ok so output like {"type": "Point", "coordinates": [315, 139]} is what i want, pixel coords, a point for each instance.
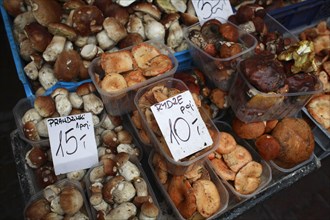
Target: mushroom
{"type": "Point", "coordinates": [30, 131]}
{"type": "Point", "coordinates": [38, 36]}
{"type": "Point", "coordinates": [64, 30]}
{"type": "Point", "coordinates": [46, 76]}
{"type": "Point", "coordinates": [42, 128]}
{"type": "Point", "coordinates": [67, 65]}
{"type": "Point", "coordinates": [189, 17]}
{"type": "Point", "coordinates": [89, 51]}
{"type": "Point", "coordinates": [140, 186]}
{"type": "Point", "coordinates": [31, 115]}
{"type": "Point", "coordinates": [122, 211]}
{"type": "Point", "coordinates": [98, 203]}
{"type": "Point", "coordinates": [97, 174]}
{"type": "Point", "coordinates": [14, 7]}
{"type": "Point", "coordinates": [51, 191]}
{"type": "Point", "coordinates": [148, 211]}
{"type": "Point", "coordinates": [115, 30]}
{"type": "Point", "coordinates": [71, 200]}
{"type": "Point", "coordinates": [126, 168]}
{"type": "Point", "coordinates": [35, 157]}
{"type": "Point", "coordinates": [175, 35]}
{"type": "Point", "coordinates": [124, 3]}
{"type": "Point", "coordinates": [179, 5]}
{"type": "Point", "coordinates": [76, 101]}
{"type": "Point", "coordinates": [45, 106]}
{"type": "Point", "coordinates": [124, 137]}
{"type": "Point", "coordinates": [92, 103]}
{"type": "Point", "coordinates": [109, 139]}
{"type": "Point", "coordinates": [135, 26]}
{"type": "Point", "coordinates": [109, 186]}
{"type": "Point", "coordinates": [54, 48]}
{"type": "Point", "coordinates": [37, 209]}
{"type": "Point", "coordinates": [87, 20]}
{"type": "Point", "coordinates": [55, 206]}
{"type": "Point", "coordinates": [46, 12]}
{"type": "Point", "coordinates": [20, 21]}
{"type": "Point", "coordinates": [62, 102]}
{"type": "Point", "coordinates": [76, 175]}
{"type": "Point", "coordinates": [123, 192]}
{"type": "Point", "coordinates": [128, 148]}
{"type": "Point", "coordinates": [104, 41]}
{"type": "Point", "coordinates": [26, 49]}
{"type": "Point", "coordinates": [53, 216]}
{"type": "Point", "coordinates": [31, 70]}
{"type": "Point", "coordinates": [148, 8]}
{"type": "Point", "coordinates": [154, 30]}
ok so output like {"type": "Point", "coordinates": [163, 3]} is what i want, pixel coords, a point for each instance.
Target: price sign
{"type": "Point", "coordinates": [72, 142]}
{"type": "Point", "coordinates": [206, 9]}
{"type": "Point", "coordinates": [181, 125]}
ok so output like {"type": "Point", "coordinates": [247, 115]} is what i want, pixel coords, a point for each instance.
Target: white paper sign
{"type": "Point", "coordinates": [206, 9]}
{"type": "Point", "coordinates": [181, 125]}
{"type": "Point", "coordinates": [72, 142]}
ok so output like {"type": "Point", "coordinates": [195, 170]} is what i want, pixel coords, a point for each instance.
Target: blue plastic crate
{"type": "Point", "coordinates": [302, 14]}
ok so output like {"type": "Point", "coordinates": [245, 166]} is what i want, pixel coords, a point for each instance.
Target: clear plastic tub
{"type": "Point", "coordinates": [135, 161]}
{"type": "Point", "coordinates": [212, 66]}
{"type": "Point", "coordinates": [266, 175]}
{"type": "Point", "coordinates": [321, 135]}
{"type": "Point", "coordinates": [121, 102]}
{"type": "Point", "coordinates": [291, 169]}
{"type": "Point", "coordinates": [224, 196]}
{"type": "Point", "coordinates": [250, 105]}
{"type": "Point", "coordinates": [181, 166]}
{"type": "Point", "coordinates": [62, 184]}
{"type": "Point", "coordinates": [22, 106]}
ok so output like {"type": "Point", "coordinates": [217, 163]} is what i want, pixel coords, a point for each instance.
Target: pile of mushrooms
{"type": "Point", "coordinates": [117, 190]}
{"type": "Point", "coordinates": [58, 39]}
{"type": "Point", "coordinates": [60, 103]}
{"type": "Point", "coordinates": [63, 200]}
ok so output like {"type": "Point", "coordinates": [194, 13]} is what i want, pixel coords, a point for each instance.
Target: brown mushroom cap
{"type": "Point", "coordinates": [147, 8]}
{"type": "Point", "coordinates": [62, 29]}
{"type": "Point", "coordinates": [168, 19]}
{"type": "Point", "coordinates": [130, 40]}
{"type": "Point", "coordinates": [87, 20]}
{"type": "Point", "coordinates": [67, 65]}
{"type": "Point", "coordinates": [38, 36]}
{"type": "Point", "coordinates": [46, 12]}
{"type": "Point", "coordinates": [37, 209]}
{"type": "Point", "coordinates": [36, 157]}
{"type": "Point", "coordinates": [109, 186]}
{"type": "Point", "coordinates": [111, 9]}
{"type": "Point", "coordinates": [73, 4]}
{"type": "Point", "coordinates": [45, 106]}
{"type": "Point", "coordinates": [85, 88]}
{"type": "Point", "coordinates": [188, 19]}
{"type": "Point", "coordinates": [71, 200]}
{"type": "Point", "coordinates": [14, 7]}
{"type": "Point", "coordinates": [149, 209]}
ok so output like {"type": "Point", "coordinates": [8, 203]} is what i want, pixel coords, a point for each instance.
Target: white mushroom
{"type": "Point", "coordinates": [92, 103]}
{"type": "Point", "coordinates": [97, 174]}
{"type": "Point", "coordinates": [46, 76]}
{"type": "Point", "coordinates": [124, 192]}
{"type": "Point", "coordinates": [42, 128]}
{"type": "Point", "coordinates": [124, 3]}
{"type": "Point", "coordinates": [179, 5]}
{"type": "Point", "coordinates": [104, 41]}
{"type": "Point", "coordinates": [128, 148]}
{"type": "Point", "coordinates": [81, 41]}
{"type": "Point", "coordinates": [68, 45]}
{"type": "Point", "coordinates": [31, 70]}
{"type": "Point", "coordinates": [175, 35]}
{"type": "Point", "coordinates": [89, 51]}
{"type": "Point", "coordinates": [76, 175]}
{"type": "Point", "coordinates": [62, 102]}
{"type": "Point", "coordinates": [115, 30]}
{"type": "Point", "coordinates": [154, 30]}
{"type": "Point", "coordinates": [122, 211]}
{"type": "Point", "coordinates": [77, 216]}
{"type": "Point", "coordinates": [55, 206]}
{"type": "Point", "coordinates": [31, 115]}
{"type": "Point", "coordinates": [149, 211]}
{"type": "Point", "coordinates": [140, 186]}
{"type": "Point", "coordinates": [76, 101]}
{"type": "Point", "coordinates": [129, 170]}
{"type": "Point", "coordinates": [107, 123]}
{"type": "Point", "coordinates": [26, 49]}
{"type": "Point", "coordinates": [135, 25]}
{"type": "Point", "coordinates": [96, 120]}
{"type": "Point", "coordinates": [98, 203]}
{"type": "Point", "coordinates": [54, 48]}
{"type": "Point", "coordinates": [51, 191]}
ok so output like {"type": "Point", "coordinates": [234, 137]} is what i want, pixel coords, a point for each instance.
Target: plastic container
{"type": "Point", "coordinates": [291, 169]}
{"type": "Point", "coordinates": [181, 166]}
{"type": "Point", "coordinates": [302, 13]}
{"type": "Point", "coordinates": [224, 196]}
{"type": "Point", "coordinates": [62, 184]}
{"type": "Point", "coordinates": [250, 105]}
{"type": "Point", "coordinates": [211, 65]}
{"type": "Point", "coordinates": [135, 161]}
{"type": "Point", "coordinates": [22, 106]}
{"type": "Point", "coordinates": [321, 135]}
{"type": "Point", "coordinates": [266, 175]}
{"type": "Point", "coordinates": [121, 102]}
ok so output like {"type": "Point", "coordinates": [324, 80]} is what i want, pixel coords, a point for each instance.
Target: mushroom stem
{"type": "Point", "coordinates": [55, 47]}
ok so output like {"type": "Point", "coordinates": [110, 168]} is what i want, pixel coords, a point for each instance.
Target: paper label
{"type": "Point", "coordinates": [206, 9]}
{"type": "Point", "coordinates": [72, 142]}
{"type": "Point", "coordinates": [181, 125]}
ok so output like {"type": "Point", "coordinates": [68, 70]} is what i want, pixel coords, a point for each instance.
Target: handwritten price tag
{"type": "Point", "coordinates": [72, 142]}
{"type": "Point", "coordinates": [206, 9]}
{"type": "Point", "coordinates": [181, 125]}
